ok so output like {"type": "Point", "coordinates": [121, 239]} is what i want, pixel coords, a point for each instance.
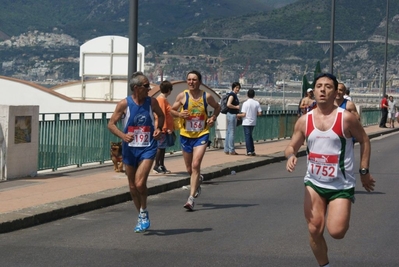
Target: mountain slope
{"type": "Point", "coordinates": [163, 23]}
{"type": "Point", "coordinates": [85, 19]}
{"type": "Point", "coordinates": [304, 20]}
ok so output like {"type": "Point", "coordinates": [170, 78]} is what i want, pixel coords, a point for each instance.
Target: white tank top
{"type": "Point", "coordinates": [330, 156]}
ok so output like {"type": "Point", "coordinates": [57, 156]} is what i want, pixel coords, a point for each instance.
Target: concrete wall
{"type": "Point", "coordinates": [19, 92]}
{"type": "Point", "coordinates": [97, 90]}
{"type": "Point", "coordinates": [67, 98]}
{"type": "Point", "coordinates": [2, 145]}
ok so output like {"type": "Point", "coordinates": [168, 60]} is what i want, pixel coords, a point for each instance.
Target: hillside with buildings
{"type": "Point", "coordinates": [257, 48]}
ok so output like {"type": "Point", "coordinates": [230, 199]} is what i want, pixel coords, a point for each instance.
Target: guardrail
{"type": "Point", "coordinates": [370, 116]}
{"type": "Point", "coordinates": [67, 139]}
{"type": "Point", "coordinates": [75, 139]}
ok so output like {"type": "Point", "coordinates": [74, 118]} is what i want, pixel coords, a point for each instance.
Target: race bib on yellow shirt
{"type": "Point", "coordinates": [195, 123]}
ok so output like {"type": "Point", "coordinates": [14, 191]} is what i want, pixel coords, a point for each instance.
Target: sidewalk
{"type": "Point", "coordinates": [50, 196]}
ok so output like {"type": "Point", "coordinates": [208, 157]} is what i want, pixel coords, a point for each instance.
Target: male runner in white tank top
{"type": "Point", "coordinates": [330, 177]}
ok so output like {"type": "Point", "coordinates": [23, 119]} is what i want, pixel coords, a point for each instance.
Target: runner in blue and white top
{"type": "Point", "coordinates": [139, 144]}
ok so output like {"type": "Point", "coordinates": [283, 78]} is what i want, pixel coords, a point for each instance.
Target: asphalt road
{"type": "Point", "coordinates": [253, 218]}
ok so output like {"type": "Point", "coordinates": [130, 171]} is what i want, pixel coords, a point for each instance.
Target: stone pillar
{"type": "Point", "coordinates": [19, 141]}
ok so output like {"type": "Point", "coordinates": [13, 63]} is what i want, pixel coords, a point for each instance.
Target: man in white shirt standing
{"type": "Point", "coordinates": [249, 112]}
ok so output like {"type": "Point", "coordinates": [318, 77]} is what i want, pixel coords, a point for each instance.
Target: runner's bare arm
{"type": "Point", "coordinates": [297, 140]}
{"type": "Point", "coordinates": [176, 107]}
{"type": "Point", "coordinates": [350, 106]}
{"type": "Point", "coordinates": [120, 109]}
{"type": "Point", "coordinates": [356, 130]}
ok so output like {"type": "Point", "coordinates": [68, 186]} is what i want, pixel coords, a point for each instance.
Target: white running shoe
{"type": "Point", "coordinates": [189, 204]}
{"type": "Point", "coordinates": [198, 191]}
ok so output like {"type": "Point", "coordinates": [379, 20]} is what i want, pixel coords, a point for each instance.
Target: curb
{"type": "Point", "coordinates": [33, 216]}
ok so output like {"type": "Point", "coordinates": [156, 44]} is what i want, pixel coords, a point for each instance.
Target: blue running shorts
{"type": "Point", "coordinates": [134, 155]}
{"type": "Point", "coordinates": [188, 144]}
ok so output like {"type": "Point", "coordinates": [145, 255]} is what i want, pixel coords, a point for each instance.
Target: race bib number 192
{"type": "Point", "coordinates": [141, 136]}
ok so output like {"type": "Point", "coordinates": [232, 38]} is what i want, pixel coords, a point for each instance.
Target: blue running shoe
{"type": "Point", "coordinates": [138, 228]}
{"type": "Point", "coordinates": [145, 220]}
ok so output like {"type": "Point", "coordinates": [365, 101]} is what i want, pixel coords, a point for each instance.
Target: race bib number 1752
{"type": "Point", "coordinates": [323, 167]}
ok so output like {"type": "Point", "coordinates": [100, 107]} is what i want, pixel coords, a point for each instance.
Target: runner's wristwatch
{"type": "Point", "coordinates": [363, 171]}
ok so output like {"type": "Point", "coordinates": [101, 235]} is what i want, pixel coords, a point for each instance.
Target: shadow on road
{"type": "Point", "coordinates": [161, 232]}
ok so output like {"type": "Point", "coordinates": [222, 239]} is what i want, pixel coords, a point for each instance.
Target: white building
{"type": "Point", "coordinates": [103, 71]}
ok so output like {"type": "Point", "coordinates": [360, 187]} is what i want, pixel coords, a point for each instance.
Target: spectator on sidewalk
{"type": "Point", "coordinates": [308, 102]}
{"type": "Point", "coordinates": [330, 177]}
{"type": "Point", "coordinates": [191, 106]}
{"type": "Point", "coordinates": [249, 112]}
{"type": "Point", "coordinates": [384, 112]}
{"type": "Point", "coordinates": [168, 135]}
{"type": "Point", "coordinates": [139, 138]}
{"type": "Point", "coordinates": [392, 108]}
{"type": "Point", "coordinates": [233, 105]}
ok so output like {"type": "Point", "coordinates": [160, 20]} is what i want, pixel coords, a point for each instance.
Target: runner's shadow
{"type": "Point", "coordinates": [238, 179]}
{"type": "Point", "coordinates": [210, 206]}
{"type": "Point", "coordinates": [167, 232]}
{"type": "Point", "coordinates": [369, 193]}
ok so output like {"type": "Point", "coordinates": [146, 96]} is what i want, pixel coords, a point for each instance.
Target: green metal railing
{"type": "Point", "coordinates": [74, 139]}
{"type": "Point", "coordinates": [275, 125]}
{"type": "Point", "coordinates": [370, 116]}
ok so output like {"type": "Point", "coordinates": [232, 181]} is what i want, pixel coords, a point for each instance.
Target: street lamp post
{"type": "Point", "coordinates": [332, 36]}
{"type": "Point", "coordinates": [381, 90]}
{"type": "Point", "coordinates": [133, 24]}
{"type": "Point", "coordinates": [283, 95]}
{"type": "Point", "coordinates": [384, 89]}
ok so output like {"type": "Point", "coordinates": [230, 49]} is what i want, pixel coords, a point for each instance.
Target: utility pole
{"type": "Point", "coordinates": [384, 85]}
{"type": "Point", "coordinates": [283, 95]}
{"type": "Point", "coordinates": [381, 87]}
{"type": "Point", "coordinates": [332, 36]}
{"type": "Point", "coordinates": [133, 29]}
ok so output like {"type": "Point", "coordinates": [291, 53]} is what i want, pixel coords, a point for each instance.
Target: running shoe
{"type": "Point", "coordinates": [164, 169]}
{"type": "Point", "coordinates": [138, 228]}
{"type": "Point", "coordinates": [198, 191]}
{"type": "Point", "coordinates": [189, 204]}
{"type": "Point", "coordinates": [157, 169]}
{"type": "Point", "coordinates": [145, 221]}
